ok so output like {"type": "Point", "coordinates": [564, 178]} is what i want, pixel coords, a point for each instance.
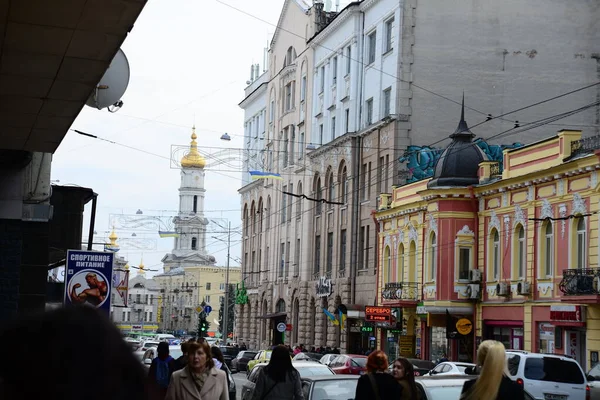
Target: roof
{"type": "Point", "coordinates": [302, 4]}
{"type": "Point", "coordinates": [174, 271]}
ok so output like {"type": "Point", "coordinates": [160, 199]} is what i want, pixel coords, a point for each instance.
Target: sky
{"type": "Point", "coordinates": [189, 61]}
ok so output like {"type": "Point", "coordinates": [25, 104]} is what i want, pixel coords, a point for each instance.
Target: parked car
{"type": "Point", "coordinates": [441, 387]}
{"type": "Point", "coordinates": [328, 358]}
{"type": "Point", "coordinates": [151, 354]}
{"type": "Point", "coordinates": [229, 353]}
{"type": "Point", "coordinates": [450, 368]}
{"type": "Point", "coordinates": [331, 387]}
{"type": "Point", "coordinates": [548, 376]}
{"type": "Point", "coordinates": [308, 357]}
{"type": "Point", "coordinates": [231, 384]}
{"type": "Point", "coordinates": [261, 357]}
{"type": "Point", "coordinates": [421, 367]}
{"type": "Point", "coordinates": [305, 368]}
{"type": "Point", "coordinates": [593, 378]}
{"type": "Point", "coordinates": [240, 362]}
{"type": "Point", "coordinates": [352, 364]}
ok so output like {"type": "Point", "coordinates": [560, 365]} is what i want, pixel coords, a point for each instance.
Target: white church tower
{"type": "Point", "coordinates": [190, 223]}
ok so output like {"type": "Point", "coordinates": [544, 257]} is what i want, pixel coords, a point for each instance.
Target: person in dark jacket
{"type": "Point", "coordinates": [279, 380]}
{"type": "Point", "coordinates": [160, 371]}
{"type": "Point", "coordinates": [377, 384]}
{"type": "Point", "coordinates": [220, 364]}
{"type": "Point", "coordinates": [492, 383]}
{"type": "Point", "coordinates": [181, 362]}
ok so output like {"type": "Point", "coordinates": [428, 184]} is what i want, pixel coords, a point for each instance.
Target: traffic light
{"type": "Point", "coordinates": [203, 324]}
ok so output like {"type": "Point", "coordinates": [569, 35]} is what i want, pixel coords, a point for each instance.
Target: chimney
{"type": "Point", "coordinates": [252, 73]}
{"type": "Point", "coordinates": [257, 71]}
{"type": "Point", "coordinates": [319, 15]}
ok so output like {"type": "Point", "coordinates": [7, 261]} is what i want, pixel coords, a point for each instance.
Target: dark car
{"type": "Point", "coordinates": [240, 362]}
{"type": "Point", "coordinates": [334, 387]}
{"type": "Point", "coordinates": [231, 384]}
{"type": "Point", "coordinates": [229, 353]}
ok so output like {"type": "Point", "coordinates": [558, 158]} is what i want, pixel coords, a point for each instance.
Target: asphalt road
{"type": "Point", "coordinates": [240, 380]}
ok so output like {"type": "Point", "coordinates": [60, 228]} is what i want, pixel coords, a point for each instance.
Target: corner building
{"type": "Point", "coordinates": [509, 247]}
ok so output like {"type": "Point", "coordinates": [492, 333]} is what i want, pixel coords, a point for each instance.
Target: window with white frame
{"type": "Point", "coordinates": [347, 120]}
{"type": "Point", "coordinates": [547, 250]}
{"type": "Point", "coordinates": [301, 146]}
{"type": "Point", "coordinates": [433, 257]}
{"type": "Point", "coordinates": [303, 88]}
{"type": "Point", "coordinates": [389, 35]}
{"type": "Point", "coordinates": [464, 262]}
{"type": "Point", "coordinates": [321, 134]}
{"type": "Point", "coordinates": [387, 101]}
{"type": "Point", "coordinates": [372, 40]}
{"type": "Point", "coordinates": [322, 79]}
{"type": "Point", "coordinates": [332, 128]}
{"type": "Point", "coordinates": [284, 205]}
{"type": "Point", "coordinates": [369, 111]}
{"type": "Point", "coordinates": [400, 263]}
{"type": "Point", "coordinates": [494, 255]}
{"type": "Point", "coordinates": [271, 112]}
{"type": "Point", "coordinates": [520, 249]}
{"type": "Point", "coordinates": [292, 143]}
{"type": "Point", "coordinates": [387, 259]}
{"type": "Point", "coordinates": [581, 243]}
{"type": "Point", "coordinates": [334, 66]}
{"type": "Point", "coordinates": [348, 59]}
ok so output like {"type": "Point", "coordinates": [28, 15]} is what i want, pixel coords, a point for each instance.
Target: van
{"type": "Point", "coordinates": [163, 337]}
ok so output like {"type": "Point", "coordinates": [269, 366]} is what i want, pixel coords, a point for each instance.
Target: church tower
{"type": "Point", "coordinates": [190, 223]}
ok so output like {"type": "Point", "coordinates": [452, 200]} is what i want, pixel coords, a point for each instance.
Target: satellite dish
{"type": "Point", "coordinates": [113, 84]}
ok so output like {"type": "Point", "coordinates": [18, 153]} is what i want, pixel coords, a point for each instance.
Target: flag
{"type": "Point", "coordinates": [167, 234]}
{"type": "Point", "coordinates": [331, 316]}
{"type": "Point", "coordinates": [110, 247]}
{"type": "Point", "coordinates": [264, 175]}
{"type": "Point", "coordinates": [342, 318]}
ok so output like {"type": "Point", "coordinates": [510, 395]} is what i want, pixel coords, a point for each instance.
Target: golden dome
{"type": "Point", "coordinates": [193, 159]}
{"type": "Point", "coordinates": [141, 267]}
{"type": "Point", "coordinates": [126, 267]}
{"type": "Point", "coordinates": [112, 246]}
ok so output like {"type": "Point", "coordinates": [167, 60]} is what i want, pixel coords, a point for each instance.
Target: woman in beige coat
{"type": "Point", "coordinates": [199, 380]}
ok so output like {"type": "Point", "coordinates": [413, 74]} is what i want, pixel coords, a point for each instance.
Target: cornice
{"type": "Point", "coordinates": [331, 145]}
{"type": "Point", "coordinates": [333, 25]}
{"type": "Point", "coordinates": [255, 93]}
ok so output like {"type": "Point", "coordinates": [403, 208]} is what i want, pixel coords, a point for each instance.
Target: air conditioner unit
{"type": "Point", "coordinates": [502, 289]}
{"type": "Point", "coordinates": [475, 275]}
{"type": "Point", "coordinates": [473, 291]}
{"type": "Point", "coordinates": [524, 288]}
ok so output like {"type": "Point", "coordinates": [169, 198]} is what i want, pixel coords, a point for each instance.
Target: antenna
{"type": "Point", "coordinates": [252, 72]}
{"type": "Point", "coordinates": [112, 86]}
{"type": "Point", "coordinates": [337, 5]}
{"type": "Point", "coordinates": [327, 5]}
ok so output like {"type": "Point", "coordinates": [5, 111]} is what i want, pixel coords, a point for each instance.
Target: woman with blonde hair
{"type": "Point", "coordinates": [493, 382]}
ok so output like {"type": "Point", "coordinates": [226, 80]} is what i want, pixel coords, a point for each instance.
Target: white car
{"type": "Point", "coordinates": [548, 376]}
{"type": "Point", "coordinates": [327, 358]}
{"type": "Point", "coordinates": [450, 368]}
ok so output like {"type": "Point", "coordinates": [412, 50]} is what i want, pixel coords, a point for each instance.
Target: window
{"type": "Point", "coordinates": [322, 80]}
{"type": "Point", "coordinates": [318, 195]}
{"type": "Point", "coordinates": [221, 286]}
{"type": "Point", "coordinates": [195, 204]}
{"type": "Point", "coordinates": [520, 249]}
{"type": "Point", "coordinates": [290, 203]}
{"type": "Point", "coordinates": [288, 97]}
{"type": "Point", "coordinates": [147, 299]}
{"type": "Point", "coordinates": [194, 243]}
{"type": "Point", "coordinates": [387, 99]}
{"type": "Point", "coordinates": [128, 316]}
{"type": "Point", "coordinates": [321, 135]}
{"type": "Point", "coordinates": [342, 250]}
{"type": "Point", "coordinates": [372, 40]}
{"type": "Point", "coordinates": [284, 205]}
{"type": "Point", "coordinates": [495, 255]}
{"type": "Point", "coordinates": [363, 187]}
{"type": "Point", "coordinates": [287, 260]}
{"type": "Point", "coordinates": [297, 258]}
{"type": "Point", "coordinates": [207, 299]}
{"type": "Point", "coordinates": [367, 247]}
{"type": "Point", "coordinates": [412, 262]}
{"type": "Point", "coordinates": [348, 59]}
{"type": "Point", "coordinates": [343, 181]}
{"type": "Point", "coordinates": [389, 34]}
{"type": "Point", "coordinates": [581, 261]}
{"type": "Point", "coordinates": [361, 247]}
{"type": "Point", "coordinates": [331, 190]}
{"type": "Point", "coordinates": [286, 144]}
{"type": "Point", "coordinates": [548, 249]}
{"type": "Point", "coordinates": [347, 120]}
{"type": "Point", "coordinates": [268, 212]}
{"type": "Point", "coordinates": [329, 252]}
{"type": "Point", "coordinates": [138, 299]}
{"type": "Point", "coordinates": [301, 146]}
{"type": "Point", "coordinates": [272, 112]}
{"type": "Point", "coordinates": [369, 114]}
{"type": "Point", "coordinates": [303, 89]}
{"type": "Point", "coordinates": [299, 201]}
{"type": "Point", "coordinates": [124, 316]}
{"type": "Point", "coordinates": [433, 258]}
{"type": "Point", "coordinates": [281, 260]}
{"type": "Point", "coordinates": [207, 285]}
{"type": "Point", "coordinates": [221, 299]}
{"type": "Point", "coordinates": [400, 272]}
{"type": "Point", "coordinates": [387, 260]}
{"type": "Point", "coordinates": [369, 182]}
{"type": "Point", "coordinates": [317, 265]}
{"type": "Point", "coordinates": [464, 262]}
{"type": "Point", "coordinates": [334, 66]}
{"type": "Point", "coordinates": [332, 128]}
{"type": "Point", "coordinates": [381, 185]}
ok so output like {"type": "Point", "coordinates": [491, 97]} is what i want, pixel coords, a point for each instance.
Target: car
{"type": "Point", "coordinates": [328, 358]}
{"type": "Point", "coordinates": [305, 368]}
{"type": "Point", "coordinates": [333, 387]}
{"type": "Point", "coordinates": [352, 364]}
{"type": "Point", "coordinates": [548, 376]}
{"type": "Point", "coordinates": [231, 383]}
{"type": "Point", "coordinates": [308, 357]}
{"type": "Point", "coordinates": [151, 354]}
{"type": "Point", "coordinates": [261, 357]}
{"type": "Point", "coordinates": [146, 344]}
{"type": "Point", "coordinates": [450, 368]}
{"type": "Point", "coordinates": [229, 353]}
{"type": "Point", "coordinates": [593, 378]}
{"type": "Point", "coordinates": [441, 387]}
{"type": "Point", "coordinates": [421, 367]}
{"type": "Point", "coordinates": [240, 362]}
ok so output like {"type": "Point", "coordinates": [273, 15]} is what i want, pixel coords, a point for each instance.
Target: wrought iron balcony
{"type": "Point", "coordinates": [579, 281]}
{"type": "Point", "coordinates": [402, 291]}
{"type": "Point", "coordinates": [495, 169]}
{"type": "Point", "coordinates": [585, 145]}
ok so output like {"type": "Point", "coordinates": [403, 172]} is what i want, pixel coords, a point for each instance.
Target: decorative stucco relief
{"type": "Point", "coordinates": [494, 222]}
{"type": "Point", "coordinates": [546, 211]}
{"type": "Point", "coordinates": [562, 211]}
{"type": "Point", "coordinates": [519, 217]}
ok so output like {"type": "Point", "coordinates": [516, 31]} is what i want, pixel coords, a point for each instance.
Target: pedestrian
{"type": "Point", "coordinates": [219, 360]}
{"type": "Point", "coordinates": [243, 346]}
{"type": "Point", "coordinates": [199, 379]}
{"type": "Point", "coordinates": [161, 369]}
{"type": "Point", "coordinates": [492, 383]}
{"type": "Point", "coordinates": [404, 372]}
{"type": "Point", "coordinates": [377, 382]}
{"type": "Point", "coordinates": [181, 362]}
{"type": "Point", "coordinates": [279, 380]}
{"type": "Point", "coordinates": [444, 358]}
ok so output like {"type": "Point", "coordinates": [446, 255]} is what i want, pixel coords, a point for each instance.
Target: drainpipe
{"type": "Point", "coordinates": [360, 74]}
{"type": "Point", "coordinates": [377, 227]}
{"type": "Point", "coordinates": [355, 222]}
{"type": "Point", "coordinates": [476, 208]}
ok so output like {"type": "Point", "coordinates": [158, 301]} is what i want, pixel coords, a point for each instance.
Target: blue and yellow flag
{"type": "Point", "coordinates": [342, 318]}
{"type": "Point", "coordinates": [264, 175]}
{"type": "Point", "coordinates": [331, 316]}
{"type": "Point", "coordinates": [167, 234]}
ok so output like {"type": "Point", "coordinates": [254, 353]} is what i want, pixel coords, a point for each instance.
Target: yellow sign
{"type": "Point", "coordinates": [159, 310]}
{"type": "Point", "coordinates": [199, 309]}
{"type": "Point", "coordinates": [464, 326]}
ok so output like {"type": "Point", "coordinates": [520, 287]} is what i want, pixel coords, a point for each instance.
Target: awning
{"type": "Point", "coordinates": [355, 311]}
{"type": "Point", "coordinates": [273, 315]}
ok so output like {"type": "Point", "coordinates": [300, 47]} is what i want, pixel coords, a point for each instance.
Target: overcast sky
{"type": "Point", "coordinates": [189, 60]}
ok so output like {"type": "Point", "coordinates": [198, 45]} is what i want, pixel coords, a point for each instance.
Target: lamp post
{"type": "Point", "coordinates": [226, 301]}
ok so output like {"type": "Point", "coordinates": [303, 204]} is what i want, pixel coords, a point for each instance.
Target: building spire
{"type": "Point", "coordinates": [462, 129]}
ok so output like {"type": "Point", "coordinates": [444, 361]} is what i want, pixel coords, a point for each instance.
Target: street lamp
{"type": "Point", "coordinates": [226, 302]}
{"type": "Point", "coordinates": [225, 137]}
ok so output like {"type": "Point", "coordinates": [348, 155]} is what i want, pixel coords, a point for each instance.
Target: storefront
{"type": "Point", "coordinates": [504, 324]}
{"type": "Point", "coordinates": [361, 335]}
{"type": "Point", "coordinates": [570, 321]}
{"type": "Point", "coordinates": [440, 323]}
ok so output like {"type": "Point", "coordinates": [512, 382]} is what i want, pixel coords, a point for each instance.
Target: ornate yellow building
{"type": "Point", "coordinates": [508, 252]}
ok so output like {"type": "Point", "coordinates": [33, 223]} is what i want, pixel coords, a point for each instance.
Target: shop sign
{"type": "Point", "coordinates": [378, 314]}
{"type": "Point", "coordinates": [405, 346]}
{"type": "Point", "coordinates": [324, 287]}
{"type": "Point", "coordinates": [566, 313]}
{"type": "Point", "coordinates": [464, 326]}
{"type": "Point", "coordinates": [546, 331]}
{"type": "Point", "coordinates": [366, 329]}
{"type": "Point", "coordinates": [421, 310]}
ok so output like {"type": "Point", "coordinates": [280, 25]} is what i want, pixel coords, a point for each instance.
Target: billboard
{"type": "Point", "coordinates": [88, 278]}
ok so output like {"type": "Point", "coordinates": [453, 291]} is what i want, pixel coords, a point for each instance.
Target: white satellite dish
{"type": "Point", "coordinates": [113, 84]}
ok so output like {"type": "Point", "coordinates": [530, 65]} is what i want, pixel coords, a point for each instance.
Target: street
{"type": "Point", "coordinates": [240, 380]}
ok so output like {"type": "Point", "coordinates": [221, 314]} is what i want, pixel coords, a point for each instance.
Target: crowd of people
{"type": "Point", "coordinates": [82, 354]}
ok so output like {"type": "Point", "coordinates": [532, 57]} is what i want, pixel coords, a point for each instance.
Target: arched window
{"type": "Point", "coordinates": [318, 195]}
{"type": "Point", "coordinates": [246, 233]}
{"type": "Point", "coordinates": [280, 306]}
{"type": "Point", "coordinates": [268, 214]}
{"type": "Point", "coordinates": [331, 189]}
{"type": "Point", "coordinates": [387, 260]}
{"type": "Point", "coordinates": [299, 200]}
{"type": "Point", "coordinates": [194, 243]}
{"type": "Point", "coordinates": [432, 257]}
{"type": "Point", "coordinates": [253, 216]}
{"type": "Point", "coordinates": [400, 263]}
{"type": "Point", "coordinates": [581, 242]}
{"type": "Point", "coordinates": [520, 255]}
{"type": "Point", "coordinates": [290, 56]}
{"type": "Point", "coordinates": [343, 182]}
{"type": "Point", "coordinates": [546, 266]}
{"type": "Point", "coordinates": [195, 207]}
{"type": "Point", "coordinates": [412, 262]}
{"type": "Point", "coordinates": [260, 211]}
{"type": "Point", "coordinates": [494, 255]}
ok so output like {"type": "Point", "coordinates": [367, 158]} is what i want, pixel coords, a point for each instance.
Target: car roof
{"type": "Point", "coordinates": [540, 355]}
{"type": "Point", "coordinates": [298, 364]}
{"type": "Point", "coordinates": [331, 378]}
{"type": "Point", "coordinates": [444, 380]}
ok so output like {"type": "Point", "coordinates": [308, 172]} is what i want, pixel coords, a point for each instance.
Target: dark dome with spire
{"type": "Point", "coordinates": [459, 163]}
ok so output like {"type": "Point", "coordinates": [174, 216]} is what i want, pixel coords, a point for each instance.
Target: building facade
{"type": "Point", "coordinates": [141, 313]}
{"type": "Point", "coordinates": [507, 251]}
{"type": "Point", "coordinates": [190, 275]}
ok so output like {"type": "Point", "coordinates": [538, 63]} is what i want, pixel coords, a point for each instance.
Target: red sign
{"type": "Point", "coordinates": [378, 314]}
{"type": "Point", "coordinates": [288, 327]}
{"type": "Point", "coordinates": [566, 313]}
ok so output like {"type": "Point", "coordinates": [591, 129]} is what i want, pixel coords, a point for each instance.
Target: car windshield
{"type": "Point", "coordinates": [228, 350]}
{"type": "Point", "coordinates": [444, 392]}
{"type": "Point", "coordinates": [175, 353]}
{"type": "Point", "coordinates": [552, 369]}
{"type": "Point", "coordinates": [268, 355]}
{"type": "Point", "coordinates": [421, 363]}
{"type": "Point", "coordinates": [248, 354]}
{"type": "Point", "coordinates": [361, 362]}
{"type": "Point", "coordinates": [341, 389]}
{"type": "Point", "coordinates": [462, 368]}
{"type": "Point", "coordinates": [314, 371]}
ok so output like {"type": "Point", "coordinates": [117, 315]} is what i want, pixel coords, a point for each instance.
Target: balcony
{"type": "Point", "coordinates": [581, 285]}
{"type": "Point", "coordinates": [585, 145]}
{"type": "Point", "coordinates": [402, 293]}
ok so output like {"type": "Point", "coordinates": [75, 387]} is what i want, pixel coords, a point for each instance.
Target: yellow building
{"type": "Point", "coordinates": [510, 250]}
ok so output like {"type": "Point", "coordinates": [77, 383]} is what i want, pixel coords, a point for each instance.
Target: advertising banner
{"type": "Point", "coordinates": [88, 278]}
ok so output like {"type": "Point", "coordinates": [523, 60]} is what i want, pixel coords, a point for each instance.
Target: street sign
{"type": "Point", "coordinates": [281, 327]}
{"type": "Point", "coordinates": [207, 309]}
{"type": "Point", "coordinates": [288, 327]}
{"type": "Point", "coordinates": [199, 309]}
